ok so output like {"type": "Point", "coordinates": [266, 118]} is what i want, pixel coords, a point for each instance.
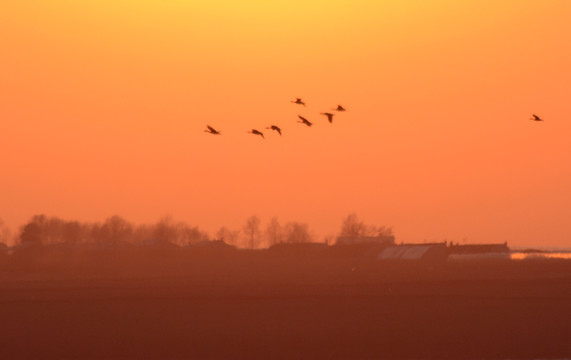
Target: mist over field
{"type": "Point", "coordinates": [110, 298]}
{"type": "Point", "coordinates": [169, 290]}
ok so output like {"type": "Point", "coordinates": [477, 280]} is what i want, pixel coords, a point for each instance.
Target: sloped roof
{"type": "Point", "coordinates": [403, 252]}
{"type": "Point", "coordinates": [408, 252]}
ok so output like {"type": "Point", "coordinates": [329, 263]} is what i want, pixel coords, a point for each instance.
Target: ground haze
{"type": "Point", "coordinates": [253, 305]}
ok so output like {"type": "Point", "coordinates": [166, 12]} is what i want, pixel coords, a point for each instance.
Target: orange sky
{"type": "Point", "coordinates": [103, 104]}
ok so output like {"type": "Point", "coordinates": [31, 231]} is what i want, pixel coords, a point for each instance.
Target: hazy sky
{"type": "Point", "coordinates": [103, 104]}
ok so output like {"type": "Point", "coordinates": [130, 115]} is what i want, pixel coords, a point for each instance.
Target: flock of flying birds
{"type": "Point", "coordinates": [276, 128]}
{"type": "Point", "coordinates": [306, 122]}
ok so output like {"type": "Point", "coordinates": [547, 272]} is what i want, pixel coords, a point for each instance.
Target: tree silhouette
{"type": "Point", "coordinates": [296, 232]}
{"type": "Point", "coordinates": [252, 231]}
{"type": "Point", "coordinates": [274, 232]}
{"type": "Point", "coordinates": [34, 232]}
{"type": "Point", "coordinates": [4, 233]}
{"type": "Point", "coordinates": [228, 236]}
{"type": "Point", "coordinates": [115, 230]}
{"type": "Point", "coordinates": [353, 227]}
{"type": "Point", "coordinates": [31, 234]}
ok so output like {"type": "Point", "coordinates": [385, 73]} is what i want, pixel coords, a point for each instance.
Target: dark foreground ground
{"type": "Point", "coordinates": [290, 310]}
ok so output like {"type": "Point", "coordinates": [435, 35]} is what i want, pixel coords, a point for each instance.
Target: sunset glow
{"type": "Point", "coordinates": [103, 106]}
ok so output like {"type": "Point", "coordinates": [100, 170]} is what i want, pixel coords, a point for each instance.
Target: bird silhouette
{"type": "Point", "coordinates": [339, 108]}
{"type": "Point", "coordinates": [304, 121]}
{"type": "Point", "coordinates": [276, 128]}
{"type": "Point", "coordinates": [211, 130]}
{"type": "Point", "coordinates": [298, 101]}
{"type": "Point", "coordinates": [256, 132]}
{"type": "Point", "coordinates": [329, 116]}
{"type": "Point", "coordinates": [536, 118]}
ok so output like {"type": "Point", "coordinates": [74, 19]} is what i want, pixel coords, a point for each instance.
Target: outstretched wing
{"type": "Point", "coordinates": [329, 116]}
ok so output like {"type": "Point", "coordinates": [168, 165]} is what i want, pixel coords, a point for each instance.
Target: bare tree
{"type": "Point", "coordinates": [274, 232]}
{"type": "Point", "coordinates": [4, 233]}
{"type": "Point", "coordinates": [296, 232]}
{"type": "Point", "coordinates": [165, 231]}
{"type": "Point", "coordinates": [228, 236]}
{"type": "Point", "coordinates": [191, 235]}
{"type": "Point", "coordinates": [252, 231]}
{"type": "Point", "coordinates": [353, 227]}
{"type": "Point", "coordinates": [33, 233]}
{"type": "Point", "coordinates": [72, 232]}
{"type": "Point", "coordinates": [115, 230]}
{"type": "Point", "coordinates": [382, 231]}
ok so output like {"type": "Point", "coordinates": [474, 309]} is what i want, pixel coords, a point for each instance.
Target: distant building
{"type": "Point", "coordinates": [213, 245]}
{"type": "Point", "coordinates": [310, 248]}
{"type": "Point", "coordinates": [156, 243]}
{"type": "Point", "coordinates": [429, 252]}
{"type": "Point", "coordinates": [387, 240]}
{"type": "Point", "coordinates": [478, 251]}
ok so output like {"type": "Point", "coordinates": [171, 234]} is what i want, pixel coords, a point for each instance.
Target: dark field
{"type": "Point", "coordinates": [255, 308]}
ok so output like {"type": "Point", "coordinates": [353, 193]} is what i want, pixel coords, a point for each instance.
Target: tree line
{"type": "Point", "coordinates": [116, 231]}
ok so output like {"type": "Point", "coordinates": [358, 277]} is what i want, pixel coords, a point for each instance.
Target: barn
{"type": "Point", "coordinates": [425, 252]}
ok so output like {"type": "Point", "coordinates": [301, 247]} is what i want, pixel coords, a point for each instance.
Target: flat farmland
{"type": "Point", "coordinates": [254, 313]}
